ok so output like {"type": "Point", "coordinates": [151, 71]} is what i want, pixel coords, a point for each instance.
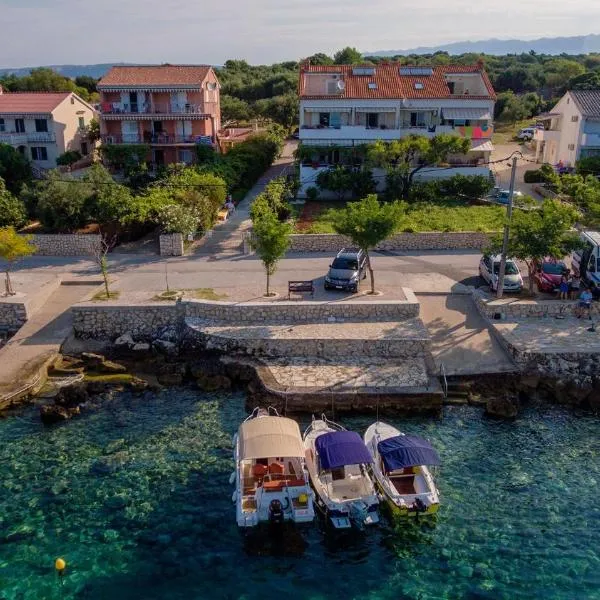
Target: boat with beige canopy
{"type": "Point", "coordinates": [271, 480]}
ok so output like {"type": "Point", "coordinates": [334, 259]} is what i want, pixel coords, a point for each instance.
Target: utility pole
{"type": "Point", "coordinates": [511, 190]}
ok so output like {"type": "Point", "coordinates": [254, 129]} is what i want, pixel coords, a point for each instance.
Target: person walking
{"type": "Point", "coordinates": [585, 304]}
{"type": "Point", "coordinates": [574, 285]}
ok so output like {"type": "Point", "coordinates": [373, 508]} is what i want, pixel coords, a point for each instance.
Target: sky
{"type": "Point", "coordinates": [41, 32]}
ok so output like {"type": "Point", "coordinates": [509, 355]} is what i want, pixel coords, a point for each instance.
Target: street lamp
{"type": "Point", "coordinates": [511, 191]}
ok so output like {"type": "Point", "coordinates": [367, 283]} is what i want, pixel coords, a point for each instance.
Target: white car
{"type": "Point", "coordinates": [489, 268]}
{"type": "Point", "coordinates": [526, 133]}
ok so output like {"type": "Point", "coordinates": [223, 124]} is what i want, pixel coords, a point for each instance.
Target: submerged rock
{"type": "Point", "coordinates": [170, 379]}
{"type": "Point", "coordinates": [124, 340]}
{"type": "Point", "coordinates": [212, 383]}
{"type": "Point", "coordinates": [505, 407]}
{"type": "Point", "coordinates": [72, 395]}
{"type": "Point", "coordinates": [55, 414]}
{"type": "Point", "coordinates": [165, 346]}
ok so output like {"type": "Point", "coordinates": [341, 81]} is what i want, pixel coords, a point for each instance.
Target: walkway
{"type": "Point", "coordinates": [226, 239]}
{"type": "Point", "coordinates": [39, 339]}
{"type": "Point", "coordinates": [460, 338]}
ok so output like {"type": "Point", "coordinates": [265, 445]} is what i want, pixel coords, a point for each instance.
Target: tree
{"type": "Point", "coordinates": [536, 234]}
{"type": "Point", "coordinates": [177, 218]}
{"type": "Point", "coordinates": [12, 209]}
{"type": "Point", "coordinates": [337, 179]}
{"type": "Point", "coordinates": [62, 203]}
{"type": "Point", "coordinates": [587, 81]}
{"type": "Point", "coordinates": [13, 247]}
{"type": "Point", "coordinates": [347, 56]}
{"type": "Point", "coordinates": [235, 109]}
{"type": "Point", "coordinates": [403, 159]}
{"type": "Point", "coordinates": [87, 82]}
{"type": "Point", "coordinates": [93, 131]}
{"type": "Point", "coordinates": [320, 59]}
{"type": "Point", "coordinates": [14, 168]}
{"type": "Point", "coordinates": [367, 223]}
{"type": "Point", "coordinates": [270, 240]}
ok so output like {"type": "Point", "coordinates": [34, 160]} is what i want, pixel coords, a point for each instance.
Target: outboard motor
{"type": "Point", "coordinates": [276, 512]}
{"type": "Point", "coordinates": [419, 507]}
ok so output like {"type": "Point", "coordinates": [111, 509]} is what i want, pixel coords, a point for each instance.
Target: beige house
{"type": "Point", "coordinates": [44, 125]}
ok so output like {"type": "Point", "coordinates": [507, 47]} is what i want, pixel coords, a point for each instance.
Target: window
{"type": "Point", "coordinates": [417, 119]}
{"type": "Point", "coordinates": [39, 153]}
{"type": "Point", "coordinates": [418, 85]}
{"type": "Point", "coordinates": [575, 118]}
{"type": "Point", "coordinates": [372, 85]}
{"type": "Point", "coordinates": [2, 125]}
{"type": "Point", "coordinates": [81, 122]}
{"type": "Point", "coordinates": [324, 119]}
{"type": "Point", "coordinates": [19, 125]}
{"type": "Point", "coordinates": [571, 146]}
{"type": "Point", "coordinates": [41, 125]}
{"type": "Point", "coordinates": [451, 87]}
{"type": "Point", "coordinates": [372, 120]}
{"type": "Point", "coordinates": [363, 71]}
{"type": "Point", "coordinates": [418, 71]}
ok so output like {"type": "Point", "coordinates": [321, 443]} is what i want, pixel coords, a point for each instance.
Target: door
{"type": "Point", "coordinates": [159, 157]}
{"type": "Point", "coordinates": [372, 120]}
{"type": "Point", "coordinates": [184, 131]}
{"type": "Point", "coordinates": [130, 132]}
{"type": "Point", "coordinates": [84, 148]}
{"type": "Point", "coordinates": [178, 102]}
{"type": "Point", "coordinates": [20, 125]}
{"type": "Point", "coordinates": [133, 101]}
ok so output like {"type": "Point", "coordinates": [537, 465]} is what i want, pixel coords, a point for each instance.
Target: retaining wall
{"type": "Point", "coordinates": [515, 308]}
{"type": "Point", "coordinates": [171, 244]}
{"type": "Point", "coordinates": [144, 321]}
{"type": "Point", "coordinates": [450, 240]}
{"type": "Point", "coordinates": [68, 244]}
{"type": "Point", "coordinates": [13, 316]}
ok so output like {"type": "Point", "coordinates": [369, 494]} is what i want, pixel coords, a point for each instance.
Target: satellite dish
{"type": "Point", "coordinates": [341, 85]}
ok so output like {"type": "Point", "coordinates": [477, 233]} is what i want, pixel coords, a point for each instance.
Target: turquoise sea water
{"type": "Point", "coordinates": [135, 496]}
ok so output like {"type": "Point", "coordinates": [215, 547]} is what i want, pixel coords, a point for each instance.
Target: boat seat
{"type": "Point", "coordinates": [404, 484]}
{"type": "Point", "coordinates": [277, 468]}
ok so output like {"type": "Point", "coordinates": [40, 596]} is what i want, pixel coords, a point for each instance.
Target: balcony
{"type": "Point", "coordinates": [590, 139]}
{"type": "Point", "coordinates": [161, 139]}
{"type": "Point", "coordinates": [546, 135]}
{"type": "Point", "coordinates": [121, 108]}
{"type": "Point", "coordinates": [19, 139]}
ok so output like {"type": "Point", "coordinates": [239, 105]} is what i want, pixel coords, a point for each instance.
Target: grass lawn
{"type": "Point", "coordinates": [445, 215]}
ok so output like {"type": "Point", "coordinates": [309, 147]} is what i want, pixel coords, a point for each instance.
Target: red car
{"type": "Point", "coordinates": [548, 275]}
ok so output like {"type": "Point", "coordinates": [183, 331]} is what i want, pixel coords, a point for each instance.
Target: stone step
{"type": "Point", "coordinates": [397, 339]}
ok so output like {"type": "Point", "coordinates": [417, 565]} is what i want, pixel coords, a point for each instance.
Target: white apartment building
{"type": "Point", "coordinates": [571, 129]}
{"type": "Point", "coordinates": [345, 105]}
{"type": "Point", "coordinates": [44, 125]}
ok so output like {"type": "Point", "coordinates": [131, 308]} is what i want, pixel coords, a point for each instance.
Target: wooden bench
{"type": "Point", "coordinates": [297, 287]}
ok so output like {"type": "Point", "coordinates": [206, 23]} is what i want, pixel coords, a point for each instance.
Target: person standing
{"type": "Point", "coordinates": [574, 285]}
{"type": "Point", "coordinates": [563, 288]}
{"type": "Point", "coordinates": [585, 304]}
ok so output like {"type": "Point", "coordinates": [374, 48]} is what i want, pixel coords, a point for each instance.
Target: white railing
{"type": "Point", "coordinates": [590, 139]}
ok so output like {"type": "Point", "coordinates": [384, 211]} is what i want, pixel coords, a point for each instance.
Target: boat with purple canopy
{"type": "Point", "coordinates": [337, 462]}
{"type": "Point", "coordinates": [402, 469]}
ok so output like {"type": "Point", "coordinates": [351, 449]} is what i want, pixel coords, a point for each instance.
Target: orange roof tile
{"type": "Point", "coordinates": [390, 84]}
{"type": "Point", "coordinates": [155, 75]}
{"type": "Point", "coordinates": [31, 102]}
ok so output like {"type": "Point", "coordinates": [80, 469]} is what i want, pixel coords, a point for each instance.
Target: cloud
{"type": "Point", "coordinates": [73, 31]}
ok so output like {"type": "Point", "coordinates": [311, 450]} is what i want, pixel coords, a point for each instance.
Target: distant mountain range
{"type": "Point", "coordinates": [580, 44]}
{"type": "Point", "coordinates": [72, 71]}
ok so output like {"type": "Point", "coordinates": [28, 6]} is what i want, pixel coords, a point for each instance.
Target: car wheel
{"type": "Point", "coordinates": [326, 287]}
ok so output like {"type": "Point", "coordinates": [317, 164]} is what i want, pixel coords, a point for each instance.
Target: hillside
{"type": "Point", "coordinates": [581, 44]}
{"type": "Point", "coordinates": [72, 71]}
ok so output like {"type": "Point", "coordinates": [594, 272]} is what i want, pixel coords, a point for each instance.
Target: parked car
{"type": "Point", "coordinates": [489, 268]}
{"type": "Point", "coordinates": [526, 134]}
{"type": "Point", "coordinates": [585, 261]}
{"type": "Point", "coordinates": [502, 196]}
{"type": "Point", "coordinates": [548, 274]}
{"type": "Point", "coordinates": [347, 269]}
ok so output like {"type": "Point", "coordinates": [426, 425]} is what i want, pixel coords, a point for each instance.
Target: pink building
{"type": "Point", "coordinates": [172, 108]}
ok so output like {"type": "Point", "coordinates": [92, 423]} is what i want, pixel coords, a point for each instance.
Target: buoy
{"type": "Point", "coordinates": [60, 565]}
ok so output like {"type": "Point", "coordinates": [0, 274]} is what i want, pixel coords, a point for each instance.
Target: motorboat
{"type": "Point", "coordinates": [401, 469]}
{"type": "Point", "coordinates": [271, 479]}
{"type": "Point", "coordinates": [337, 462]}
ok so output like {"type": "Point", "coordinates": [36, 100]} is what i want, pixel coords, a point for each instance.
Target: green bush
{"type": "Point", "coordinates": [69, 157]}
{"type": "Point", "coordinates": [533, 176]}
{"type": "Point", "coordinates": [312, 193]}
{"type": "Point", "coordinates": [12, 210]}
{"type": "Point", "coordinates": [471, 187]}
{"type": "Point", "coordinates": [589, 165]}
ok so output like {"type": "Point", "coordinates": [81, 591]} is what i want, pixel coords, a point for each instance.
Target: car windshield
{"type": "Point", "coordinates": [349, 264]}
{"type": "Point", "coordinates": [511, 268]}
{"type": "Point", "coordinates": [553, 268]}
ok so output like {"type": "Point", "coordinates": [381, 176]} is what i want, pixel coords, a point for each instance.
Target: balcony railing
{"type": "Point", "coordinates": [123, 108]}
{"type": "Point", "coordinates": [156, 139]}
{"type": "Point", "coordinates": [15, 138]}
{"type": "Point", "coordinates": [591, 139]}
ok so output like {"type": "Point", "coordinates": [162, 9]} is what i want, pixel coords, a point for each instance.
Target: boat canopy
{"type": "Point", "coordinates": [340, 448]}
{"type": "Point", "coordinates": [406, 451]}
{"type": "Point", "coordinates": [266, 437]}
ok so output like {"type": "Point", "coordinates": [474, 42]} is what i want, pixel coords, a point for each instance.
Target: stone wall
{"type": "Point", "coordinates": [510, 308]}
{"type": "Point", "coordinates": [68, 244]}
{"type": "Point", "coordinates": [13, 316]}
{"type": "Point", "coordinates": [144, 321]}
{"type": "Point", "coordinates": [171, 244]}
{"type": "Point", "coordinates": [449, 240]}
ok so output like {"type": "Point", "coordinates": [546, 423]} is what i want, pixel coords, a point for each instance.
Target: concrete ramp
{"type": "Point", "coordinates": [460, 338]}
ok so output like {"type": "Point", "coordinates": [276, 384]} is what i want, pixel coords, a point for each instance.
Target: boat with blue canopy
{"type": "Point", "coordinates": [402, 469]}
{"type": "Point", "coordinates": [337, 462]}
